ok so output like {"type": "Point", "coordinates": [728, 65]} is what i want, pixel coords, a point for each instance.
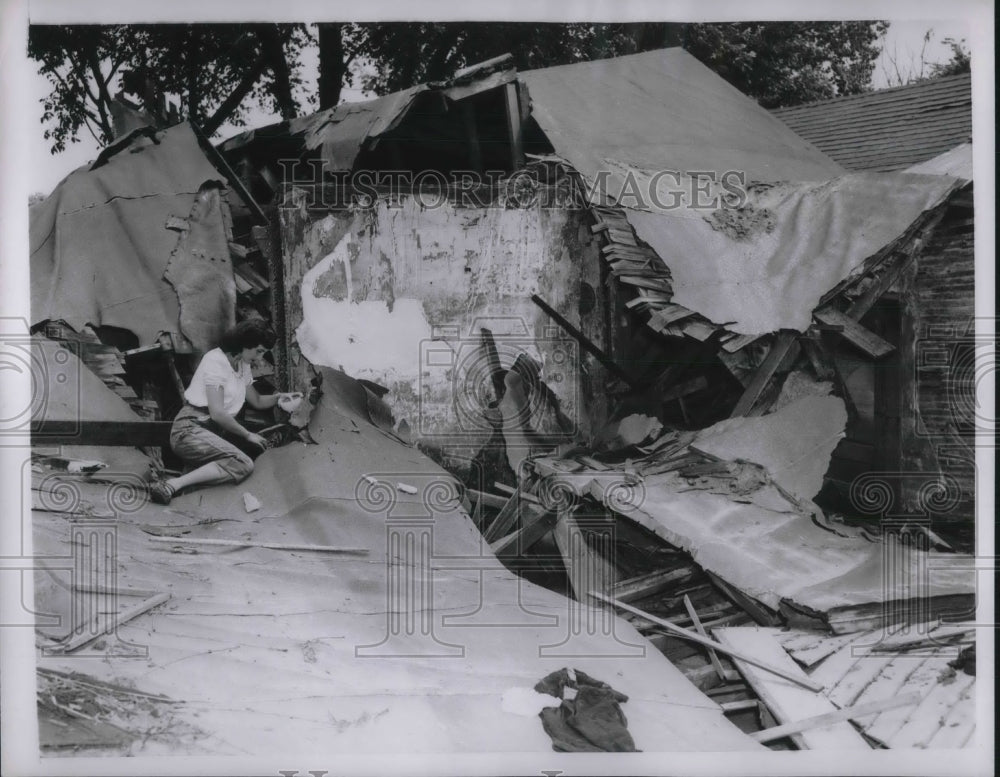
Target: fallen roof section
{"type": "Point", "coordinates": [409, 648]}
{"type": "Point", "coordinates": [889, 129]}
{"type": "Point", "coordinates": [664, 110]}
{"type": "Point", "coordinates": [337, 134]}
{"type": "Point", "coordinates": [753, 531]}
{"type": "Point", "coordinates": [766, 264]}
{"type": "Point", "coordinates": [956, 163]}
{"type": "Point", "coordinates": [100, 243]}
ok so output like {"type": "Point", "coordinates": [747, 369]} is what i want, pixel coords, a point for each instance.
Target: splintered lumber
{"type": "Point", "coordinates": [647, 585]}
{"type": "Point", "coordinates": [712, 655]}
{"type": "Point", "coordinates": [794, 674]}
{"type": "Point", "coordinates": [487, 499]}
{"type": "Point", "coordinates": [505, 519]}
{"type": "Point", "coordinates": [113, 623]}
{"type": "Point", "coordinates": [779, 349]}
{"type": "Point", "coordinates": [836, 716]}
{"type": "Point", "coordinates": [585, 342]}
{"type": "Point", "coordinates": [788, 702]}
{"type": "Point", "coordinates": [854, 333]}
{"type": "Point", "coordinates": [252, 544]}
{"type": "Point", "coordinates": [536, 525]}
{"type": "Point", "coordinates": [587, 570]}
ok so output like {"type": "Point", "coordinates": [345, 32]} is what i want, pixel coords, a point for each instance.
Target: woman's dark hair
{"type": "Point", "coordinates": [246, 334]}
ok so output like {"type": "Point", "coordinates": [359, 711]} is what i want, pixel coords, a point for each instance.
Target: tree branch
{"type": "Point", "coordinates": [230, 104]}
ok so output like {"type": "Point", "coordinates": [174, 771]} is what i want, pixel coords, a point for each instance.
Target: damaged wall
{"type": "Point", "coordinates": [398, 295]}
{"type": "Point", "coordinates": [939, 353]}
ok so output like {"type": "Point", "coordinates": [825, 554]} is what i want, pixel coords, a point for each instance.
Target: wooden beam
{"type": "Point", "coordinates": [487, 499]}
{"type": "Point", "coordinates": [113, 623]}
{"type": "Point", "coordinates": [712, 655]}
{"type": "Point", "coordinates": [783, 344]}
{"type": "Point", "coordinates": [122, 433]}
{"type": "Point", "coordinates": [854, 333]}
{"type": "Point", "coordinates": [797, 677]}
{"type": "Point", "coordinates": [515, 125]}
{"type": "Point", "coordinates": [505, 520]}
{"type": "Point", "coordinates": [253, 544]}
{"type": "Point", "coordinates": [787, 701]}
{"type": "Point", "coordinates": [883, 283]}
{"type": "Point", "coordinates": [647, 585]}
{"type": "Point", "coordinates": [837, 716]}
{"type": "Point", "coordinates": [588, 571]}
{"type": "Point", "coordinates": [584, 341]}
{"type": "Point", "coordinates": [536, 524]}
{"type": "Point", "coordinates": [817, 356]}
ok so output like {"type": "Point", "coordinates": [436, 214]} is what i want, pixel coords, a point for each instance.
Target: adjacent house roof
{"type": "Point", "coordinates": [890, 129]}
{"type": "Point", "coordinates": [664, 110]}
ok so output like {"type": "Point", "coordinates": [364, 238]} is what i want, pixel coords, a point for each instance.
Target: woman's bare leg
{"type": "Point", "coordinates": [205, 474]}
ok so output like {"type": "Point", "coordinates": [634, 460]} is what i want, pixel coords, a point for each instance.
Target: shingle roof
{"type": "Point", "coordinates": [890, 129]}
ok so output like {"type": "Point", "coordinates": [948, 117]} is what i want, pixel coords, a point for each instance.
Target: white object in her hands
{"type": "Point", "coordinates": [289, 402]}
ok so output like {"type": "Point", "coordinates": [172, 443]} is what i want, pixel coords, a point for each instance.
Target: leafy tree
{"type": "Point", "coordinates": [960, 62]}
{"type": "Point", "coordinates": [778, 63]}
{"type": "Point", "coordinates": [216, 69]}
{"type": "Point", "coordinates": [212, 68]}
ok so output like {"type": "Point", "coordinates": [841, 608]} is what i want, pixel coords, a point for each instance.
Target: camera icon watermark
{"type": "Point", "coordinates": [498, 375]}
{"type": "Point", "coordinates": [957, 366]}
{"type": "Point", "coordinates": [42, 379]}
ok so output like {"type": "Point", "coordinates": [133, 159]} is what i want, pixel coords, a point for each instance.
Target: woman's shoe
{"type": "Point", "coordinates": [161, 492]}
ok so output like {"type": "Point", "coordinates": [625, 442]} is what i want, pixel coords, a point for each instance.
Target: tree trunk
{"type": "Point", "coordinates": [332, 67]}
{"type": "Point", "coordinates": [272, 45]}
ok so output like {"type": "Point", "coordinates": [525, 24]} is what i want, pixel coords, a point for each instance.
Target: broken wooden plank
{"type": "Point", "coordinates": [795, 674]}
{"type": "Point", "coordinates": [869, 342]}
{"type": "Point", "coordinates": [782, 345]}
{"type": "Point", "coordinates": [536, 524]}
{"type": "Point", "coordinates": [649, 584]}
{"type": "Point", "coordinates": [255, 544]}
{"type": "Point", "coordinates": [588, 571]}
{"type": "Point", "coordinates": [818, 357]}
{"type": "Point", "coordinates": [787, 701]}
{"type": "Point", "coordinates": [712, 655]}
{"type": "Point", "coordinates": [759, 612]}
{"type": "Point", "coordinates": [112, 624]}
{"type": "Point", "coordinates": [647, 283]}
{"type": "Point", "coordinates": [585, 342]}
{"type": "Point", "coordinates": [669, 314]}
{"type": "Point", "coordinates": [836, 716]}
{"type": "Point", "coordinates": [505, 519]}
{"type": "Point", "coordinates": [738, 343]}
{"type": "Point", "coordinates": [490, 500]}
{"type": "Point", "coordinates": [699, 330]}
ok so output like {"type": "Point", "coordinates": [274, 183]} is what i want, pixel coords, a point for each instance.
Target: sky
{"type": "Point", "coordinates": [903, 46]}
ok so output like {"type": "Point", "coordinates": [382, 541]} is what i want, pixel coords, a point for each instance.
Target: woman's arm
{"type": "Point", "coordinates": [226, 421]}
{"type": "Point", "coordinates": [260, 401]}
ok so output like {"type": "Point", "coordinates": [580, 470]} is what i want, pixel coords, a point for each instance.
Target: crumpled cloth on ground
{"type": "Point", "coordinates": [590, 718]}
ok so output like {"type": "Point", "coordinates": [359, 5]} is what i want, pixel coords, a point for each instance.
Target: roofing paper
{"type": "Point", "coordinates": [665, 110]}
{"type": "Point", "coordinates": [412, 648]}
{"type": "Point", "coordinates": [956, 163]}
{"type": "Point", "coordinates": [337, 132]}
{"type": "Point", "coordinates": [793, 444]}
{"type": "Point", "coordinates": [99, 242]}
{"type": "Point", "coordinates": [764, 263]}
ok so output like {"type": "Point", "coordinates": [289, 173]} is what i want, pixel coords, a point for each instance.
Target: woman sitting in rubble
{"type": "Point", "coordinates": [206, 433]}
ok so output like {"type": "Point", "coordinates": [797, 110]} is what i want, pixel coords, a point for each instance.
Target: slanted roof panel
{"type": "Point", "coordinates": [664, 110]}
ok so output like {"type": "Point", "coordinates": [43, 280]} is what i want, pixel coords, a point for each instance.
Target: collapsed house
{"type": "Point", "coordinates": [662, 341]}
